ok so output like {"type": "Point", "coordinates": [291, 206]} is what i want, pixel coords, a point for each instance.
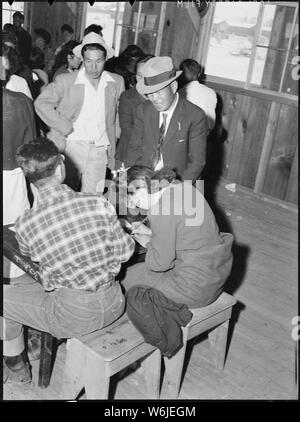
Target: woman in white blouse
{"type": "Point", "coordinates": [10, 62]}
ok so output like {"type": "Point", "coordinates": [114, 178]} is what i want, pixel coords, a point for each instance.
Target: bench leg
{"type": "Point", "coordinates": [174, 367]}
{"type": "Point", "coordinates": [152, 366]}
{"type": "Point", "coordinates": [218, 341]}
{"type": "Point", "coordinates": [73, 381]}
{"type": "Point", "coordinates": [96, 381]}
{"type": "Point", "coordinates": [48, 343]}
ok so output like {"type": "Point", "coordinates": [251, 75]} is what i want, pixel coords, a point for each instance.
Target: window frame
{"type": "Point", "coordinates": [206, 28]}
{"type": "Point", "coordinates": [136, 27]}
{"type": "Point", "coordinates": [10, 8]}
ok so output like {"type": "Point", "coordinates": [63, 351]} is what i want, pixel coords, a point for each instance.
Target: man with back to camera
{"type": "Point", "coordinates": [169, 130]}
{"type": "Point", "coordinates": [81, 111]}
{"type": "Point", "coordinates": [79, 244]}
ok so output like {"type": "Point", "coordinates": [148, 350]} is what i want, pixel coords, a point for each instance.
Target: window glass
{"type": "Point", "coordinates": [146, 36]}
{"type": "Point", "coordinates": [231, 40]}
{"type": "Point", "coordinates": [102, 13]}
{"type": "Point", "coordinates": [254, 42]}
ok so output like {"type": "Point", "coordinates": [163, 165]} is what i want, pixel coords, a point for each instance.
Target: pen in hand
{"type": "Point", "coordinates": [145, 220]}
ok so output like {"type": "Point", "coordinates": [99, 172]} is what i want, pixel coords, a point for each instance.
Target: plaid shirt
{"type": "Point", "coordinates": [76, 238]}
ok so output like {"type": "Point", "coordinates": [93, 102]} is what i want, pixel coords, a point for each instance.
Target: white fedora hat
{"type": "Point", "coordinates": [156, 73]}
{"type": "Point", "coordinates": [93, 38]}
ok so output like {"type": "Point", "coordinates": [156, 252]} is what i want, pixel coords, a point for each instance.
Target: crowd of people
{"type": "Point", "coordinates": [72, 118]}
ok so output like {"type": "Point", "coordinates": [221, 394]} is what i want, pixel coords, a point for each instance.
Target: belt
{"type": "Point", "coordinates": [100, 288]}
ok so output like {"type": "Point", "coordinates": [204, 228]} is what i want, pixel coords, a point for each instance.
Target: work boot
{"type": "Point", "coordinates": [34, 344]}
{"type": "Point", "coordinates": [16, 369]}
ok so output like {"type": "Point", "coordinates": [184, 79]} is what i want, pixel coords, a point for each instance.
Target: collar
{"type": "Point", "coordinates": [51, 190]}
{"type": "Point", "coordinates": [82, 79]}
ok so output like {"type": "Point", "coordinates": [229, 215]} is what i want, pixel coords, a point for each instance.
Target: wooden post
{"type": "Point", "coordinates": [48, 343]}
{"type": "Point", "coordinates": [97, 379]}
{"type": "Point", "coordinates": [73, 381]}
{"type": "Point", "coordinates": [174, 367]}
{"type": "Point", "coordinates": [152, 365]}
{"type": "Point", "coordinates": [218, 341]}
{"type": "Point", "coordinates": [267, 147]}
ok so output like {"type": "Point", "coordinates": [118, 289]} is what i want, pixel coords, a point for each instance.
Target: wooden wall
{"type": "Point", "coordinates": [180, 37]}
{"type": "Point", "coordinates": [261, 151]}
{"type": "Point", "coordinates": [51, 18]}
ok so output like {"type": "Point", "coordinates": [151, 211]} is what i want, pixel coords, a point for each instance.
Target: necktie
{"type": "Point", "coordinates": [158, 155]}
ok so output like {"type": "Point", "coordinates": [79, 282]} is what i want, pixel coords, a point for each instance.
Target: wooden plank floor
{"type": "Point", "coordinates": [261, 357]}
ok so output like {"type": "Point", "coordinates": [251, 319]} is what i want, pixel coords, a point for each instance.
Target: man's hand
{"type": "Point", "coordinates": [141, 233]}
{"type": "Point", "coordinates": [142, 239]}
{"type": "Point", "coordinates": [140, 228]}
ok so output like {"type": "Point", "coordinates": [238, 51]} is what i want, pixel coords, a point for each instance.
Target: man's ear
{"type": "Point", "coordinates": [174, 86]}
{"type": "Point", "coordinates": [60, 172]}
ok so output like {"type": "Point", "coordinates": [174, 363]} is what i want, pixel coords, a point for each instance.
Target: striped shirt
{"type": "Point", "coordinates": [75, 237]}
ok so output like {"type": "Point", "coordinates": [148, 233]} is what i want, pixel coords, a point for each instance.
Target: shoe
{"type": "Point", "coordinates": [33, 345]}
{"type": "Point", "coordinates": [20, 376]}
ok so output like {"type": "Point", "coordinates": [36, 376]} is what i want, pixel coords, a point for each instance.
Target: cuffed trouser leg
{"type": "Point", "coordinates": [13, 344]}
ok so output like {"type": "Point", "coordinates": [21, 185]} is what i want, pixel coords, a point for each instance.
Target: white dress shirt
{"type": "Point", "coordinates": [90, 125]}
{"type": "Point", "coordinates": [169, 114]}
{"type": "Point", "coordinates": [203, 97]}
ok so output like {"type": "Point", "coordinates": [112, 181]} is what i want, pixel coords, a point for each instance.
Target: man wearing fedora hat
{"type": "Point", "coordinates": [169, 130]}
{"type": "Point", "coordinates": [80, 109]}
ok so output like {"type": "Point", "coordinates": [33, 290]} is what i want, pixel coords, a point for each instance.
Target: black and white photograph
{"type": "Point", "coordinates": [150, 204]}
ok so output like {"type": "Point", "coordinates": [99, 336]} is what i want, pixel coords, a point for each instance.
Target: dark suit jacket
{"type": "Point", "coordinates": [129, 101]}
{"type": "Point", "coordinates": [157, 318]}
{"type": "Point", "coordinates": [184, 147]}
{"type": "Point", "coordinates": [18, 125]}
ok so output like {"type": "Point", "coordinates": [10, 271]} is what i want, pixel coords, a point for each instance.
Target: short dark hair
{"type": "Point", "coordinates": [148, 175]}
{"type": "Point", "coordinates": [41, 32]}
{"type": "Point", "coordinates": [18, 15]}
{"type": "Point", "coordinates": [93, 28]}
{"type": "Point", "coordinates": [38, 159]}
{"type": "Point", "coordinates": [93, 46]}
{"type": "Point", "coordinates": [68, 28]}
{"type": "Point", "coordinates": [133, 52]}
{"type": "Point", "coordinates": [194, 67]}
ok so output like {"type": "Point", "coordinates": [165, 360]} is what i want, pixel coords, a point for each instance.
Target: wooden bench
{"type": "Point", "coordinates": [213, 318]}
{"type": "Point", "coordinates": [93, 359]}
